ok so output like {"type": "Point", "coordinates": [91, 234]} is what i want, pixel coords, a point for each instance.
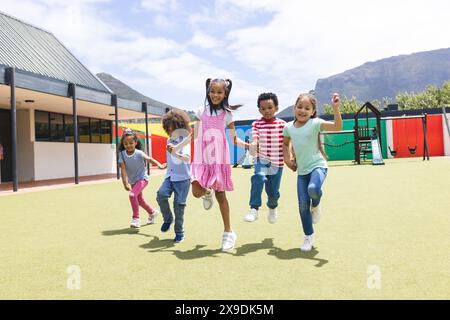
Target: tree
{"type": "Point", "coordinates": [348, 106]}
{"type": "Point", "coordinates": [431, 97]}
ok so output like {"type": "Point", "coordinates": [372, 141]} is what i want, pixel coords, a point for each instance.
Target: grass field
{"type": "Point", "coordinates": [384, 234]}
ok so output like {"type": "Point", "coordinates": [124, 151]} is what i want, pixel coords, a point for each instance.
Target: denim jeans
{"type": "Point", "coordinates": [270, 177]}
{"type": "Point", "coordinates": [309, 192]}
{"type": "Point", "coordinates": [181, 190]}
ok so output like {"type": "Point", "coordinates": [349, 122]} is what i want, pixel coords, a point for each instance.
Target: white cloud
{"type": "Point", "coordinates": [252, 5]}
{"type": "Point", "coordinates": [159, 5]}
{"type": "Point", "coordinates": [163, 22]}
{"type": "Point", "coordinates": [264, 45]}
{"type": "Point", "coordinates": [306, 40]}
{"type": "Point", "coordinates": [204, 41]}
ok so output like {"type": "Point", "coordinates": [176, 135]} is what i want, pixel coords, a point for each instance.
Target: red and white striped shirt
{"type": "Point", "coordinates": [269, 135]}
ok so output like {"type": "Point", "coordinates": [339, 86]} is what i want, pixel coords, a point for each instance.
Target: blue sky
{"type": "Point", "coordinates": [167, 48]}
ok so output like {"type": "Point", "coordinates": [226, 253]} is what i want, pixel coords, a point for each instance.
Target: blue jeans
{"type": "Point", "coordinates": [270, 177]}
{"type": "Point", "coordinates": [181, 190]}
{"type": "Point", "coordinates": [309, 192]}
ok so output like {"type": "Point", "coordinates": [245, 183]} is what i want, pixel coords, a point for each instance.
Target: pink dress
{"type": "Point", "coordinates": [211, 164]}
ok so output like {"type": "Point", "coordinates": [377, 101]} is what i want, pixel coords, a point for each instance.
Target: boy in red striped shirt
{"type": "Point", "coordinates": [267, 145]}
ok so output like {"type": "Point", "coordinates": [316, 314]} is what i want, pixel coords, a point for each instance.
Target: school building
{"type": "Point", "coordinates": [57, 118]}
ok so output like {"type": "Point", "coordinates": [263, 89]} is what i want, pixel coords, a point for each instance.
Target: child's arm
{"type": "Point", "coordinates": [234, 138]}
{"type": "Point", "coordinates": [154, 161]}
{"type": "Point", "coordinates": [289, 158]}
{"type": "Point", "coordinates": [175, 148]}
{"type": "Point", "coordinates": [337, 124]}
{"type": "Point", "coordinates": [183, 156]}
{"type": "Point", "coordinates": [254, 146]}
{"type": "Point", "coordinates": [123, 172]}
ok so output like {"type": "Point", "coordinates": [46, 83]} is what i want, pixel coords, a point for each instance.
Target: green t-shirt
{"type": "Point", "coordinates": [306, 145]}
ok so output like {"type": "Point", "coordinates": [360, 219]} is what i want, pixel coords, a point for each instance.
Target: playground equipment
{"type": "Point", "coordinates": [246, 160]}
{"type": "Point", "coordinates": [412, 145]}
{"type": "Point", "coordinates": [366, 137]}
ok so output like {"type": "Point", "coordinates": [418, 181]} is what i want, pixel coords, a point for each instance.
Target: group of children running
{"type": "Point", "coordinates": [274, 143]}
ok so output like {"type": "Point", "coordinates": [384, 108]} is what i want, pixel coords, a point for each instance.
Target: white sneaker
{"type": "Point", "coordinates": [228, 240]}
{"type": "Point", "coordinates": [307, 244]}
{"type": "Point", "coordinates": [151, 218]}
{"type": "Point", "coordinates": [252, 215]}
{"type": "Point", "coordinates": [272, 216]}
{"type": "Point", "coordinates": [315, 213]}
{"type": "Point", "coordinates": [135, 223]}
{"type": "Point", "coordinates": [208, 200]}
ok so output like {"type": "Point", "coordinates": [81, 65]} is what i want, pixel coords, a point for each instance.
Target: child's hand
{"type": "Point", "coordinates": [162, 166]}
{"type": "Point", "coordinates": [253, 148]}
{"type": "Point", "coordinates": [336, 101]}
{"type": "Point", "coordinates": [293, 165]}
{"type": "Point", "coordinates": [170, 148]}
{"type": "Point", "coordinates": [127, 187]}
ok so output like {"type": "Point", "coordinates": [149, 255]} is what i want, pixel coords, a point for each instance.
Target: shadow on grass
{"type": "Point", "coordinates": [128, 230]}
{"type": "Point", "coordinates": [158, 244]}
{"type": "Point", "coordinates": [120, 231]}
{"type": "Point", "coordinates": [253, 247]}
{"type": "Point", "coordinates": [295, 253]}
{"type": "Point", "coordinates": [164, 245]}
{"type": "Point", "coordinates": [196, 253]}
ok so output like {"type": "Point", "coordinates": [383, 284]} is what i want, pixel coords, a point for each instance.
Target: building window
{"type": "Point", "coordinates": [68, 129]}
{"type": "Point", "coordinates": [84, 135]}
{"type": "Point", "coordinates": [106, 131]}
{"type": "Point", "coordinates": [95, 131]}
{"type": "Point", "coordinates": [42, 126]}
{"type": "Point", "coordinates": [58, 127]}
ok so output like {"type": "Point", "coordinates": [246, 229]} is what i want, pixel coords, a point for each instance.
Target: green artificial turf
{"type": "Point", "coordinates": [384, 234]}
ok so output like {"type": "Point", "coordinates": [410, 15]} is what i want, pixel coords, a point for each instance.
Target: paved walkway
{"type": "Point", "coordinates": [33, 186]}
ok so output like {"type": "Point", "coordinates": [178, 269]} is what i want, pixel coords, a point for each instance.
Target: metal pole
{"type": "Point", "coordinates": [11, 73]}
{"type": "Point", "coordinates": [73, 94]}
{"type": "Point", "coordinates": [425, 141]}
{"type": "Point", "coordinates": [145, 108]}
{"type": "Point", "coordinates": [116, 117]}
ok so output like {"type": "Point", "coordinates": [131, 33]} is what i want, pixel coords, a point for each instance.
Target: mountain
{"type": "Point", "coordinates": [126, 92]}
{"type": "Point", "coordinates": [387, 77]}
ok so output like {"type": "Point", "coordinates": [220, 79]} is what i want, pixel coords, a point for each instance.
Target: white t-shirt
{"type": "Point", "coordinates": [228, 117]}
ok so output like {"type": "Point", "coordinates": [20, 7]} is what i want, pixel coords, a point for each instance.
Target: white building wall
{"type": "Point", "coordinates": [54, 160]}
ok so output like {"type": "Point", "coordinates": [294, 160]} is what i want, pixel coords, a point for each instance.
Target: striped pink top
{"type": "Point", "coordinates": [269, 134]}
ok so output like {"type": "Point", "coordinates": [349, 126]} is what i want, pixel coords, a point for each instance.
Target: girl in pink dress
{"type": "Point", "coordinates": [210, 168]}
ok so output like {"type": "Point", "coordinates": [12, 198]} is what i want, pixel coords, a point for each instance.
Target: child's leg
{"type": "Point", "coordinates": [197, 190]}
{"type": "Point", "coordinates": [224, 210]}
{"type": "Point", "coordinates": [141, 199]}
{"type": "Point", "coordinates": [273, 188]}
{"type": "Point", "coordinates": [256, 189]}
{"type": "Point", "coordinates": [315, 185]}
{"type": "Point", "coordinates": [304, 202]}
{"type": "Point", "coordinates": [134, 196]}
{"type": "Point", "coordinates": [162, 197]}
{"type": "Point", "coordinates": [181, 189]}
